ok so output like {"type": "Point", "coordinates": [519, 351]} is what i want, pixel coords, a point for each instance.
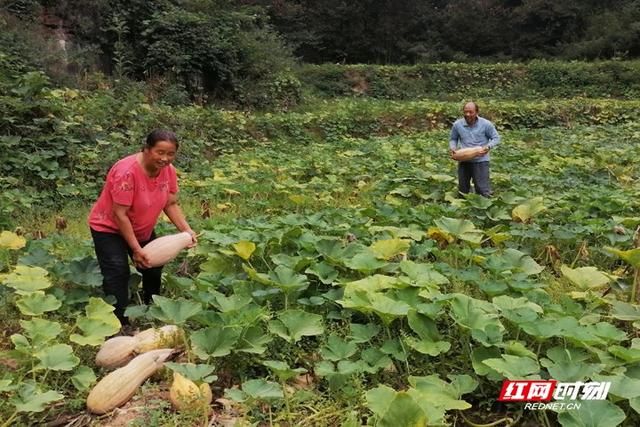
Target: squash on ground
{"type": "Point", "coordinates": [164, 249]}
{"type": "Point", "coordinates": [116, 352]}
{"type": "Point", "coordinates": [184, 394]}
{"type": "Point", "coordinates": [155, 338]}
{"type": "Point", "coordinates": [120, 385]}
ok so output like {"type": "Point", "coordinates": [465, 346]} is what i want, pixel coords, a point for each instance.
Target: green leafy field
{"type": "Point", "coordinates": [342, 281]}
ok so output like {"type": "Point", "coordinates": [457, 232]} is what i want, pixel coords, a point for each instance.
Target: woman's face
{"type": "Point", "coordinates": [160, 155]}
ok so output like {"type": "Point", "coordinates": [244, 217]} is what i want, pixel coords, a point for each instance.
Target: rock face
{"type": "Point", "coordinates": [58, 32]}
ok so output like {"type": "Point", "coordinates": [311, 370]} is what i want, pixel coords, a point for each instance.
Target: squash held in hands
{"type": "Point", "coordinates": [164, 249]}
{"type": "Point", "coordinates": [466, 154]}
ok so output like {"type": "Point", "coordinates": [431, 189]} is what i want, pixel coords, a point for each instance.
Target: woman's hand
{"type": "Point", "coordinates": [140, 259]}
{"type": "Point", "coordinates": [194, 238]}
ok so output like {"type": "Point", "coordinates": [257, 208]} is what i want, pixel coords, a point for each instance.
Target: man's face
{"type": "Point", "coordinates": [470, 113]}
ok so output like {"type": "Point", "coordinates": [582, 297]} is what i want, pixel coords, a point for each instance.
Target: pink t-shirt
{"type": "Point", "coordinates": [128, 185]}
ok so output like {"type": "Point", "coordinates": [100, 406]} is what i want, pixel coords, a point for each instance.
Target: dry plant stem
{"type": "Point", "coordinates": [507, 420]}
{"type": "Point", "coordinates": [11, 418]}
{"type": "Point", "coordinates": [636, 283]}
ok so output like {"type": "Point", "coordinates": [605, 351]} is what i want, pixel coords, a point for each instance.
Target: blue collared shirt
{"type": "Point", "coordinates": [481, 133]}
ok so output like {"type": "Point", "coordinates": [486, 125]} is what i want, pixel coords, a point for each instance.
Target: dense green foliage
{"type": "Point", "coordinates": [358, 264]}
{"type": "Point", "coordinates": [339, 278]}
{"type": "Point", "coordinates": [410, 31]}
{"type": "Point", "coordinates": [449, 81]}
{"type": "Point", "coordinates": [56, 142]}
{"type": "Point", "coordinates": [238, 54]}
{"type": "Point", "coordinates": [184, 51]}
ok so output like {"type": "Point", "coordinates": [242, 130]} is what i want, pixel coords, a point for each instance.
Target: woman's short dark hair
{"type": "Point", "coordinates": [161, 135]}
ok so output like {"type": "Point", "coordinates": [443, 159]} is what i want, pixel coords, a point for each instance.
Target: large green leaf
{"type": "Point", "coordinates": [593, 413]}
{"type": "Point", "coordinates": [389, 248]}
{"type": "Point", "coordinates": [41, 331]}
{"type": "Point", "coordinates": [58, 357]}
{"type": "Point", "coordinates": [85, 271]}
{"type": "Point", "coordinates": [37, 303]}
{"type": "Point", "coordinates": [244, 249]}
{"type": "Point", "coordinates": [443, 395]}
{"type": "Point", "coordinates": [323, 271]}
{"type": "Point", "coordinates": [172, 311]}
{"type": "Point", "coordinates": [365, 262]}
{"type": "Point", "coordinates": [513, 261]}
{"type": "Point", "coordinates": [193, 372]}
{"type": "Point", "coordinates": [569, 364]}
{"type": "Point", "coordinates": [385, 307]}
{"type": "Point", "coordinates": [375, 283]}
{"type": "Point", "coordinates": [586, 277]}
{"type": "Point", "coordinates": [632, 256]}
{"type": "Point", "coordinates": [288, 280]}
{"type": "Point", "coordinates": [292, 325]}
{"type": "Point", "coordinates": [621, 385]}
{"type": "Point", "coordinates": [629, 355]}
{"type": "Point", "coordinates": [282, 369]}
{"type": "Point", "coordinates": [83, 378]}
{"type": "Point", "coordinates": [517, 310]}
{"type": "Point", "coordinates": [526, 211]}
{"type": "Point", "coordinates": [394, 409]}
{"type": "Point", "coordinates": [234, 302]}
{"type": "Point", "coordinates": [30, 399]}
{"type": "Point", "coordinates": [363, 333]}
{"type": "Point", "coordinates": [461, 228]}
{"type": "Point", "coordinates": [25, 279]}
{"type": "Point", "coordinates": [214, 342]}
{"type": "Point", "coordinates": [10, 240]}
{"type": "Point", "coordinates": [481, 317]}
{"type": "Point", "coordinates": [262, 390]}
{"type": "Point", "coordinates": [625, 311]}
{"type": "Point", "coordinates": [430, 341]}
{"type": "Point", "coordinates": [337, 349]}
{"type": "Point", "coordinates": [423, 275]}
{"type": "Point", "coordinates": [99, 322]}
{"type": "Point", "coordinates": [514, 367]}
{"type": "Point", "coordinates": [375, 360]}
{"type": "Point", "coordinates": [479, 355]}
{"type": "Point", "coordinates": [253, 340]}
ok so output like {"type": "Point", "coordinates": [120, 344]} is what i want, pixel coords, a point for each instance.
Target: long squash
{"type": "Point", "coordinates": [116, 352]}
{"type": "Point", "coordinates": [466, 154]}
{"type": "Point", "coordinates": [120, 385]}
{"type": "Point", "coordinates": [155, 338]}
{"type": "Point", "coordinates": [164, 249]}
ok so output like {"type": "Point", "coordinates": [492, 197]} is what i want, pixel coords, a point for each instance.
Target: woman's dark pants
{"type": "Point", "coordinates": [113, 254]}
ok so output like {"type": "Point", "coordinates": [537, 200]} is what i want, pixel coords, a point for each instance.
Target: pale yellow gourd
{"type": "Point", "coordinates": [184, 394]}
{"type": "Point", "coordinates": [116, 352]}
{"type": "Point", "coordinates": [120, 385]}
{"type": "Point", "coordinates": [164, 249]}
{"type": "Point", "coordinates": [466, 154]}
{"type": "Point", "coordinates": [155, 338]}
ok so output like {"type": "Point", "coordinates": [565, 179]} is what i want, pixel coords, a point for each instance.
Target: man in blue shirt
{"type": "Point", "coordinates": [473, 131]}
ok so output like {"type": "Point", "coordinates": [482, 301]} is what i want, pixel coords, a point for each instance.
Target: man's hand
{"type": "Point", "coordinates": [452, 153]}
{"type": "Point", "coordinates": [485, 149]}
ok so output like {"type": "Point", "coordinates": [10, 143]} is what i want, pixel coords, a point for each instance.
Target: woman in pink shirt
{"type": "Point", "coordinates": [137, 190]}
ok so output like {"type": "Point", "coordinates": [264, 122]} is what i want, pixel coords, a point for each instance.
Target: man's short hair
{"type": "Point", "coordinates": [471, 102]}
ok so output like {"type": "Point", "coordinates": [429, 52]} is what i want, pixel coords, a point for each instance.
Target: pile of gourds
{"type": "Point", "coordinates": [137, 358]}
